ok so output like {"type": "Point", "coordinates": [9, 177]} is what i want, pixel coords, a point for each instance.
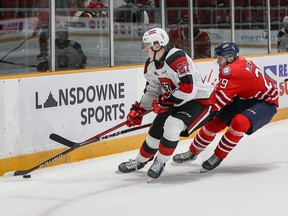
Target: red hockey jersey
{"type": "Point", "coordinates": [244, 79]}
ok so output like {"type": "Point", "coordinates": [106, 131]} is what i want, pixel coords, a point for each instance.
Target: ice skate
{"type": "Point", "coordinates": [211, 163]}
{"type": "Point", "coordinates": [184, 157]}
{"type": "Point", "coordinates": [131, 165]}
{"type": "Point", "coordinates": [156, 169]}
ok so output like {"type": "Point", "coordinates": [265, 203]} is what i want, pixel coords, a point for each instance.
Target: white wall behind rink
{"type": "Point", "coordinates": [81, 105]}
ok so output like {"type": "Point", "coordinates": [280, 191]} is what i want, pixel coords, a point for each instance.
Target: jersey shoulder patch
{"type": "Point", "coordinates": [226, 70]}
{"type": "Point", "coordinates": [235, 67]}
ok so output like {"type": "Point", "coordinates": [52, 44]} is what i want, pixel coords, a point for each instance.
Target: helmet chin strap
{"type": "Point", "coordinates": [155, 52]}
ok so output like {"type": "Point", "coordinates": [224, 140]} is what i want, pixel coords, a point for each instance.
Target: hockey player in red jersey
{"type": "Point", "coordinates": [176, 92]}
{"type": "Point", "coordinates": [246, 100]}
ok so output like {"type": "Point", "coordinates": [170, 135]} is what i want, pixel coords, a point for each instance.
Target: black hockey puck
{"type": "Point", "coordinates": [26, 176]}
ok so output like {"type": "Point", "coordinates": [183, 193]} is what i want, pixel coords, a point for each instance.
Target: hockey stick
{"type": "Point", "coordinates": [97, 138]}
{"type": "Point", "coordinates": [276, 78]}
{"type": "Point", "coordinates": [19, 64]}
{"type": "Point", "coordinates": [72, 144]}
{"type": "Point", "coordinates": [17, 47]}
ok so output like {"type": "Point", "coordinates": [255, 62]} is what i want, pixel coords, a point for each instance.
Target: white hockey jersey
{"type": "Point", "coordinates": [176, 74]}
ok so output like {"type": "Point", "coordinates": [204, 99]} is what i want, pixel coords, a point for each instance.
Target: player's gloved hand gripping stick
{"type": "Point", "coordinates": [135, 115]}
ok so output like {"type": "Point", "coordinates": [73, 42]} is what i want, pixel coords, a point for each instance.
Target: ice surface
{"type": "Point", "coordinates": [251, 181]}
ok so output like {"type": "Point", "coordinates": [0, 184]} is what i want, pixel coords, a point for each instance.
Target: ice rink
{"type": "Point", "coordinates": [251, 181]}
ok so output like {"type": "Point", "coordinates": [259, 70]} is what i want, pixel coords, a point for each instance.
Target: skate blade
{"type": "Point", "coordinates": [118, 172]}
{"type": "Point", "coordinates": [8, 174]}
{"type": "Point", "coordinates": [204, 170]}
{"type": "Point", "coordinates": [149, 180]}
{"type": "Point", "coordinates": [187, 163]}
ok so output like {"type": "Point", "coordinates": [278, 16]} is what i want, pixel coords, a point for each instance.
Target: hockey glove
{"type": "Point", "coordinates": [135, 115]}
{"type": "Point", "coordinates": [161, 105]}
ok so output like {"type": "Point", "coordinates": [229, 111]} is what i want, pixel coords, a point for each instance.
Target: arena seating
{"type": "Point", "coordinates": [10, 4]}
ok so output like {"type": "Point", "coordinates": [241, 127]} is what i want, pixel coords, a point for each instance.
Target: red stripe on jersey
{"type": "Point", "coordinates": [186, 87]}
{"type": "Point", "coordinates": [221, 100]}
{"type": "Point", "coordinates": [199, 119]}
{"type": "Point", "coordinates": [273, 94]}
{"type": "Point", "coordinates": [145, 68]}
{"type": "Point", "coordinates": [220, 95]}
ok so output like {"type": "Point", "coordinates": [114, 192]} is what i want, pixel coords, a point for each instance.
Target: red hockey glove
{"type": "Point", "coordinates": [135, 115]}
{"type": "Point", "coordinates": [160, 104]}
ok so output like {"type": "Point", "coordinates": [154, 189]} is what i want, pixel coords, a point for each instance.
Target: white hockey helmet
{"type": "Point", "coordinates": [156, 35]}
{"type": "Point", "coordinates": [285, 21]}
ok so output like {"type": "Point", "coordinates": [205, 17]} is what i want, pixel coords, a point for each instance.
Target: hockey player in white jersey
{"type": "Point", "coordinates": [176, 92]}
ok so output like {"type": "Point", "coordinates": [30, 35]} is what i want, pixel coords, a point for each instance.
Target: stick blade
{"type": "Point", "coordinates": [21, 172]}
{"type": "Point", "coordinates": [16, 173]}
{"type": "Point", "coordinates": [8, 174]}
{"type": "Point", "coordinates": [62, 140]}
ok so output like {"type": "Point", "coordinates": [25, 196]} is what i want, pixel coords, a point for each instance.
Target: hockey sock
{"type": "Point", "coordinates": [166, 149]}
{"type": "Point", "coordinates": [148, 149]}
{"type": "Point", "coordinates": [239, 126]}
{"type": "Point", "coordinates": [172, 129]}
{"type": "Point", "coordinates": [206, 135]}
